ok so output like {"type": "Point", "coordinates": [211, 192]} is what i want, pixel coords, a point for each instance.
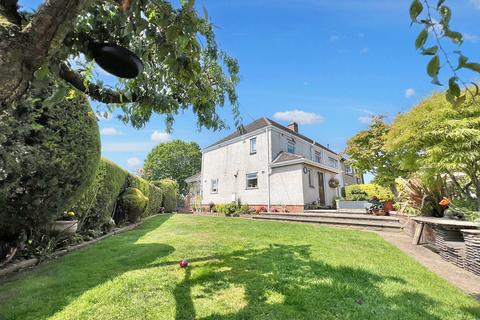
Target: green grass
{"type": "Point", "coordinates": [239, 269]}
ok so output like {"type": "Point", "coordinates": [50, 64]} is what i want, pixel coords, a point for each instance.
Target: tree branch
{"type": "Point", "coordinates": [9, 9]}
{"type": "Point", "coordinates": [49, 26]}
{"type": "Point", "coordinates": [98, 93]}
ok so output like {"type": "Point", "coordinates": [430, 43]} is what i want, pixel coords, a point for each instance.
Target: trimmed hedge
{"type": "Point", "coordinates": [96, 207]}
{"type": "Point", "coordinates": [370, 190]}
{"type": "Point", "coordinates": [169, 189]}
{"type": "Point", "coordinates": [133, 202]}
{"type": "Point", "coordinates": [48, 156]}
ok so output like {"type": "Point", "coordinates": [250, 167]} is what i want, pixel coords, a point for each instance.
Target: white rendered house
{"type": "Point", "coordinates": [272, 166]}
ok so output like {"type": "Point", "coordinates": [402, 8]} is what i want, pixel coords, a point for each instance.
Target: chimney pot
{"type": "Point", "coordinates": [293, 126]}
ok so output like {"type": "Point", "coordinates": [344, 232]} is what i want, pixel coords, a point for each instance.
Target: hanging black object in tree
{"type": "Point", "coordinates": [116, 60]}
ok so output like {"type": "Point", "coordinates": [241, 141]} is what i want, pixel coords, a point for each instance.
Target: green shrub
{"type": "Point", "coordinates": [133, 203]}
{"type": "Point", "coordinates": [169, 189]}
{"type": "Point", "coordinates": [96, 206]}
{"type": "Point", "coordinates": [220, 207]}
{"type": "Point", "coordinates": [48, 157]}
{"type": "Point", "coordinates": [155, 201]}
{"type": "Point", "coordinates": [367, 192]}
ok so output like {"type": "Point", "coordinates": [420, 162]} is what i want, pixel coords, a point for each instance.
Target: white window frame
{"type": "Point", "coordinates": [332, 162]}
{"type": "Point", "coordinates": [253, 145]}
{"type": "Point", "coordinates": [291, 143]}
{"type": "Point", "coordinates": [349, 170]}
{"type": "Point", "coordinates": [310, 180]}
{"type": "Point", "coordinates": [212, 183]}
{"type": "Point", "coordinates": [320, 156]}
{"type": "Point", "coordinates": [247, 178]}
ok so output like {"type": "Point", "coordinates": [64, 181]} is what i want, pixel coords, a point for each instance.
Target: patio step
{"type": "Point", "coordinates": [348, 220]}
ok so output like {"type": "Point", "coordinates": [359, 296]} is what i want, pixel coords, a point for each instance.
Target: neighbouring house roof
{"type": "Point", "coordinates": [195, 178]}
{"type": "Point", "coordinates": [262, 123]}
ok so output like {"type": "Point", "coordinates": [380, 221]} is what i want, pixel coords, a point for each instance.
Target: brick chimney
{"type": "Point", "coordinates": [293, 126]}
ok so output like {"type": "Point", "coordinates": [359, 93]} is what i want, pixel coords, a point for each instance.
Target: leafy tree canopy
{"type": "Point", "coordinates": [367, 153]}
{"type": "Point", "coordinates": [436, 138]}
{"type": "Point", "coordinates": [176, 160]}
{"type": "Point", "coordinates": [183, 66]}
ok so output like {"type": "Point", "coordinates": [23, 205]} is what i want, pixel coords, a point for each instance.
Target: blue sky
{"type": "Point", "coordinates": [331, 64]}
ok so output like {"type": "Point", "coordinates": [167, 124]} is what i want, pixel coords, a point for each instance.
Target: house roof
{"type": "Point", "coordinates": [194, 178]}
{"type": "Point", "coordinates": [262, 123]}
{"type": "Point", "coordinates": [286, 156]}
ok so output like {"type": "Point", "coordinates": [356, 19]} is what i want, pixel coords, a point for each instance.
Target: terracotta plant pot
{"type": "Point", "coordinates": [68, 227]}
{"type": "Point", "coordinates": [379, 213]}
{"type": "Point", "coordinates": [388, 206]}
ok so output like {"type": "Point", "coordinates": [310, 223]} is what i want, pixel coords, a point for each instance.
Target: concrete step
{"type": "Point", "coordinates": [355, 211]}
{"type": "Point", "coordinates": [336, 215]}
{"type": "Point", "coordinates": [358, 223]}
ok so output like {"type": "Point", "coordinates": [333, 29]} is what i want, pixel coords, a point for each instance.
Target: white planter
{"type": "Point", "coordinates": [353, 205]}
{"type": "Point", "coordinates": [69, 227]}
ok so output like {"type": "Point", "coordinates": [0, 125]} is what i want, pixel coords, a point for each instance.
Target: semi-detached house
{"type": "Point", "coordinates": [272, 166]}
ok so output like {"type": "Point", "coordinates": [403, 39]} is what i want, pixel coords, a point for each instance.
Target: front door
{"type": "Point", "coordinates": [321, 188]}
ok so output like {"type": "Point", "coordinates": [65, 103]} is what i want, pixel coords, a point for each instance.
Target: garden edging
{"type": "Point", "coordinates": [14, 267]}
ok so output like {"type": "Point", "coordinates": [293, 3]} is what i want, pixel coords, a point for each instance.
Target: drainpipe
{"type": "Point", "coordinates": [268, 167]}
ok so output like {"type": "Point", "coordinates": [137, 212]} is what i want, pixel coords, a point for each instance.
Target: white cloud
{"type": "Point", "coordinates": [475, 3]}
{"type": "Point", "coordinates": [471, 37]}
{"type": "Point", "coordinates": [158, 136]}
{"type": "Point", "coordinates": [364, 51]}
{"type": "Point", "coordinates": [410, 92]}
{"type": "Point", "coordinates": [127, 146]}
{"type": "Point", "coordinates": [134, 162]}
{"type": "Point", "coordinates": [299, 116]}
{"type": "Point", "coordinates": [110, 132]}
{"type": "Point", "coordinates": [365, 119]}
{"type": "Point", "coordinates": [334, 38]}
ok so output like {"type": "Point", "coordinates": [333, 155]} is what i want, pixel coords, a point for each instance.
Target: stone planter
{"type": "Point", "coordinates": [68, 227]}
{"type": "Point", "coordinates": [352, 205]}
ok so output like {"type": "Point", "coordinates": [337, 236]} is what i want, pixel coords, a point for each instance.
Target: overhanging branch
{"type": "Point", "coordinates": [49, 26]}
{"type": "Point", "coordinates": [94, 91]}
{"type": "Point", "coordinates": [9, 10]}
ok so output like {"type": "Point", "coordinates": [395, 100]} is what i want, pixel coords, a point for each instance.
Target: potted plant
{"type": "Point", "coordinates": [67, 223]}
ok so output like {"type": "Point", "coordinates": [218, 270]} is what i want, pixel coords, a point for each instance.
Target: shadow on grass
{"type": "Point", "coordinates": [80, 271]}
{"type": "Point", "coordinates": [301, 288]}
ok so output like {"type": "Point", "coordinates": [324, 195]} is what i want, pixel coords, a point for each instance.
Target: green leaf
{"type": "Point", "coordinates": [42, 72]}
{"type": "Point", "coordinates": [453, 87]}
{"type": "Point", "coordinates": [430, 51]}
{"type": "Point", "coordinates": [460, 100]}
{"type": "Point", "coordinates": [446, 14]}
{"type": "Point", "coordinates": [433, 67]}
{"type": "Point", "coordinates": [456, 37]}
{"type": "Point", "coordinates": [415, 9]}
{"type": "Point", "coordinates": [477, 89]}
{"type": "Point", "coordinates": [421, 39]}
{"type": "Point", "coordinates": [462, 61]}
{"type": "Point", "coordinates": [57, 96]}
{"type": "Point", "coordinates": [473, 66]}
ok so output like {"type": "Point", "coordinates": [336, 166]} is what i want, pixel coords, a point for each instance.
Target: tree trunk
{"type": "Point", "coordinates": [24, 49]}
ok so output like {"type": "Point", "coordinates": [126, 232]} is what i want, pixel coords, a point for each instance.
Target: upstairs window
{"type": "Point", "coordinates": [252, 180]}
{"type": "Point", "coordinates": [332, 162]}
{"type": "Point", "coordinates": [317, 157]}
{"type": "Point", "coordinates": [253, 145]}
{"type": "Point", "coordinates": [214, 186]}
{"type": "Point", "coordinates": [349, 170]}
{"type": "Point", "coordinates": [291, 146]}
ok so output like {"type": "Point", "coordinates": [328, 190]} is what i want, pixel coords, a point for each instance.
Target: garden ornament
{"type": "Point", "coordinates": [183, 263]}
{"type": "Point", "coordinates": [116, 60]}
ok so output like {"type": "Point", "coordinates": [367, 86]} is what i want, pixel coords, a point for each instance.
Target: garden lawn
{"type": "Point", "coordinates": [239, 269]}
